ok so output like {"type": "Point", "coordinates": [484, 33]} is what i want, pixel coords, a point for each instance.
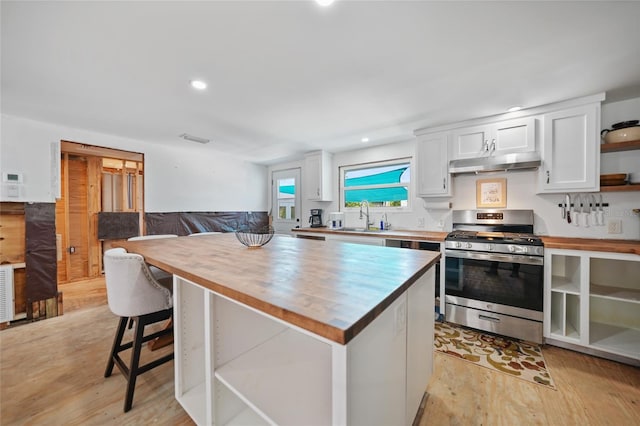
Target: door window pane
{"type": "Point", "coordinates": [286, 198]}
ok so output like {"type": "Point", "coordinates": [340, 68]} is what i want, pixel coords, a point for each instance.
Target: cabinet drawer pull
{"type": "Point", "coordinates": [484, 317]}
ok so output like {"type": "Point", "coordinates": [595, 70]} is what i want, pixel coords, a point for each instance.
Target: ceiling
{"type": "Point", "coordinates": [288, 77]}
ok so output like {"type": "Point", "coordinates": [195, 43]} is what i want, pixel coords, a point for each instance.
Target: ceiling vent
{"type": "Point", "coordinates": [192, 138]}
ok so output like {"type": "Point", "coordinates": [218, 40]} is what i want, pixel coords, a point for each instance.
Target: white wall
{"type": "Point", "coordinates": [521, 190]}
{"type": "Point", "coordinates": [184, 177]}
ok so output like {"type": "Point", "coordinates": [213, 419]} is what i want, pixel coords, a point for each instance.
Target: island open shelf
{"type": "Point", "coordinates": [237, 363]}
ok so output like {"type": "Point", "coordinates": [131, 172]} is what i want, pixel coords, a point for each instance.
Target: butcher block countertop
{"type": "Point", "coordinates": [568, 243]}
{"type": "Point", "coordinates": [593, 244]}
{"type": "Point", "coordinates": [393, 234]}
{"type": "Point", "coordinates": [333, 290]}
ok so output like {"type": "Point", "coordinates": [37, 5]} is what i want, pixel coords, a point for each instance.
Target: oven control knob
{"type": "Point", "coordinates": [525, 249]}
{"type": "Point", "coordinates": [458, 244]}
{"type": "Point", "coordinates": [491, 246]}
{"type": "Point", "coordinates": [512, 249]}
{"type": "Point", "coordinates": [469, 245]}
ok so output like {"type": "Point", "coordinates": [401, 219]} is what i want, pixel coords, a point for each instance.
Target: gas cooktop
{"type": "Point", "coordinates": [495, 237]}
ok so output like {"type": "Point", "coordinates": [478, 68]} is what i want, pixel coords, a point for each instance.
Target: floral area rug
{"type": "Point", "coordinates": [517, 358]}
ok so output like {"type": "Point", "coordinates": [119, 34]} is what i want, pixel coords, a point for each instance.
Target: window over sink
{"type": "Point", "coordinates": [384, 185]}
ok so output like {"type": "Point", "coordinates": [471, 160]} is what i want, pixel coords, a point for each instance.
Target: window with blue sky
{"type": "Point", "coordinates": [381, 184]}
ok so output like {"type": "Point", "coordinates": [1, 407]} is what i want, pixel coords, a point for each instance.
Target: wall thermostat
{"type": "Point", "coordinates": [12, 177]}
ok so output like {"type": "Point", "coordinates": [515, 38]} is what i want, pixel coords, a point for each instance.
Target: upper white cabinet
{"type": "Point", "coordinates": [317, 176]}
{"type": "Point", "coordinates": [517, 135]}
{"type": "Point", "coordinates": [571, 150]}
{"type": "Point", "coordinates": [470, 142]}
{"type": "Point", "coordinates": [504, 137]}
{"type": "Point", "coordinates": [432, 161]}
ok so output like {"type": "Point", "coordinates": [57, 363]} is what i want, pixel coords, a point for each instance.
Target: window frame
{"type": "Point", "coordinates": [383, 163]}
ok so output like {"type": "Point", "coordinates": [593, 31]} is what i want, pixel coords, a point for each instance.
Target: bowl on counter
{"type": "Point", "coordinates": [254, 238]}
{"type": "Point", "coordinates": [613, 179]}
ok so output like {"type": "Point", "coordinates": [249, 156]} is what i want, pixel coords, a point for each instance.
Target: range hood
{"type": "Point", "coordinates": [515, 161]}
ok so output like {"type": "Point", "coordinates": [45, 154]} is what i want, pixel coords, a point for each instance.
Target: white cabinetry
{"type": "Point", "coordinates": [237, 365]}
{"type": "Point", "coordinates": [571, 150]}
{"type": "Point", "coordinates": [432, 160]}
{"type": "Point", "coordinates": [564, 297]}
{"type": "Point", "coordinates": [518, 135]}
{"type": "Point", "coordinates": [470, 142]}
{"type": "Point", "coordinates": [592, 301]}
{"type": "Point", "coordinates": [504, 137]}
{"type": "Point", "coordinates": [317, 176]}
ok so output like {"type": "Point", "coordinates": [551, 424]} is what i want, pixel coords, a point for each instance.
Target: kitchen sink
{"type": "Point", "coordinates": [360, 230]}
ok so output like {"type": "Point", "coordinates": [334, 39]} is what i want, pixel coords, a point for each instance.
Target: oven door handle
{"type": "Point", "coordinates": [496, 257]}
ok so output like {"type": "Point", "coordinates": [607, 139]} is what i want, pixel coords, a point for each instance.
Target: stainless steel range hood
{"type": "Point", "coordinates": [515, 161]}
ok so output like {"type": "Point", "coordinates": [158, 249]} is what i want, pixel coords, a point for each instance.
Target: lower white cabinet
{"type": "Point", "coordinates": [237, 365]}
{"type": "Point", "coordinates": [592, 301]}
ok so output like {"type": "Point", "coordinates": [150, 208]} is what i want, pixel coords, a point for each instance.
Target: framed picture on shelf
{"type": "Point", "coordinates": [491, 193]}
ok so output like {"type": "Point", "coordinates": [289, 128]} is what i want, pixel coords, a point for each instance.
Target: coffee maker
{"type": "Point", "coordinates": [316, 218]}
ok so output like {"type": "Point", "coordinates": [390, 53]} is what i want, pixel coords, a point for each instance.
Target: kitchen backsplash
{"type": "Point", "coordinates": [520, 195]}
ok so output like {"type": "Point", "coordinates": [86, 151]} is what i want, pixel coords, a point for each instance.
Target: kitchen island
{"type": "Point", "coordinates": [298, 331]}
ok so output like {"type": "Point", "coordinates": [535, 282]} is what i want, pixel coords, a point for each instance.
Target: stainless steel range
{"type": "Point", "coordinates": [494, 273]}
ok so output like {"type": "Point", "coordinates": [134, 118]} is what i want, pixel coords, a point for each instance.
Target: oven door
{"type": "Point", "coordinates": [505, 279]}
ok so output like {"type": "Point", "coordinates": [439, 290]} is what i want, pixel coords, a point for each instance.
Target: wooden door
{"type": "Point", "coordinates": [76, 218]}
{"type": "Point", "coordinates": [76, 246]}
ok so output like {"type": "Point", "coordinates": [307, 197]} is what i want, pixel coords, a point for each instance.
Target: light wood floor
{"type": "Point", "coordinates": [51, 372]}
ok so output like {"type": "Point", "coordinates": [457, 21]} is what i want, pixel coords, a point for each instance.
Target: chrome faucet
{"type": "Point", "coordinates": [365, 203]}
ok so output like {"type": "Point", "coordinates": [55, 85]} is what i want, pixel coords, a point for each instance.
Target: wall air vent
{"type": "Point", "coordinates": [192, 138]}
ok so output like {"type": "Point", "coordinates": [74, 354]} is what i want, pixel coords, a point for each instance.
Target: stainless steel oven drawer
{"type": "Point", "coordinates": [505, 325]}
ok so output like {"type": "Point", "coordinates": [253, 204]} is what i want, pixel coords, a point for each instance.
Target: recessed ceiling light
{"type": "Point", "coordinates": [365, 139]}
{"type": "Point", "coordinates": [324, 2]}
{"type": "Point", "coordinates": [514, 109]}
{"type": "Point", "coordinates": [198, 84]}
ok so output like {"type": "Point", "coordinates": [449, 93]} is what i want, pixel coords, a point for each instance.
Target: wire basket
{"type": "Point", "coordinates": [253, 238]}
